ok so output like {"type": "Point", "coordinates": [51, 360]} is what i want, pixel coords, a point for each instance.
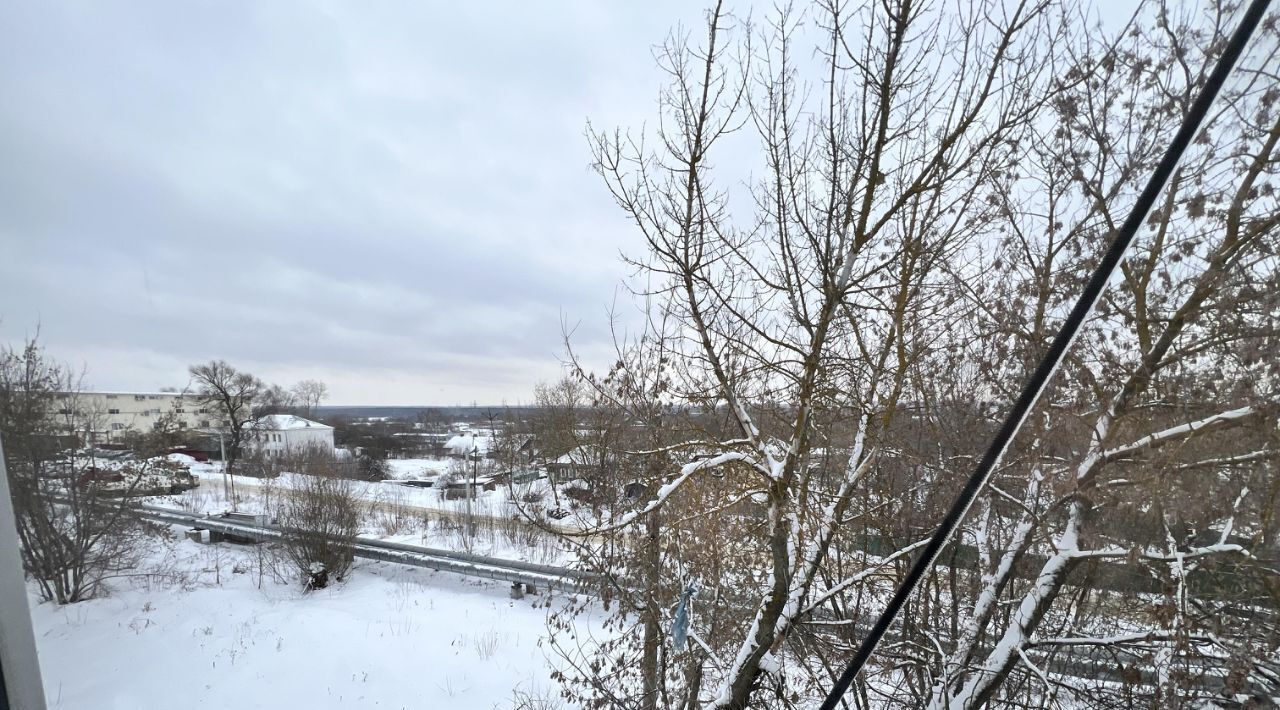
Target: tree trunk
{"type": "Point", "coordinates": [649, 671]}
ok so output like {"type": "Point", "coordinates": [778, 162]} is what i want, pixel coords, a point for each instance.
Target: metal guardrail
{"type": "Point", "coordinates": [514, 571]}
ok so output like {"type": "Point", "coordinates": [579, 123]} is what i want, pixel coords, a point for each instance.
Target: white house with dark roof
{"type": "Point", "coordinates": [277, 435]}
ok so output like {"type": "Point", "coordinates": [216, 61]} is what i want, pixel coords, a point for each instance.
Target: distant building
{"type": "Point", "coordinates": [277, 435]}
{"type": "Point", "coordinates": [586, 457]}
{"type": "Point", "coordinates": [104, 417]}
{"type": "Point", "coordinates": [467, 446]}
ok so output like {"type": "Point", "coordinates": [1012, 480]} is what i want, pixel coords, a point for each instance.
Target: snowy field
{"type": "Point", "coordinates": [420, 469]}
{"type": "Point", "coordinates": [493, 503]}
{"type": "Point", "coordinates": [416, 516]}
{"type": "Point", "coordinates": [204, 629]}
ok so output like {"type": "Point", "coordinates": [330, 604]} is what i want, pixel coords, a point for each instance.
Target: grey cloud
{"type": "Point", "coordinates": [394, 192]}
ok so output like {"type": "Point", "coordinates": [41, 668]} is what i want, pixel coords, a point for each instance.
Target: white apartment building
{"type": "Point", "coordinates": [108, 415]}
{"type": "Point", "coordinates": [277, 435]}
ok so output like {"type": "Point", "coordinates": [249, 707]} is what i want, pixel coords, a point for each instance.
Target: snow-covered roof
{"type": "Point", "coordinates": [465, 444]}
{"type": "Point", "coordinates": [285, 422]}
{"type": "Point", "coordinates": [583, 455]}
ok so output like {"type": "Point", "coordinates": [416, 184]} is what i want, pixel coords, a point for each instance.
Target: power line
{"type": "Point", "coordinates": [1057, 349]}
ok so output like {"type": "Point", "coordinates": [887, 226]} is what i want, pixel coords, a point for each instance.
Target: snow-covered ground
{"type": "Point", "coordinates": [209, 631]}
{"type": "Point", "coordinates": [421, 469]}
{"type": "Point", "coordinates": [493, 502]}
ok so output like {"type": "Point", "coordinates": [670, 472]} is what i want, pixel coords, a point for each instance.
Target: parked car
{"type": "Point", "coordinates": [100, 476]}
{"type": "Point", "coordinates": [159, 478]}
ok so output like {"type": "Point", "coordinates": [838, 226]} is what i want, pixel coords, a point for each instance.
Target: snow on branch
{"type": "Point", "coordinates": [1114, 552]}
{"type": "Point", "coordinates": [753, 493]}
{"type": "Point", "coordinates": [1024, 618]}
{"type": "Point", "coordinates": [1183, 431]}
{"type": "Point", "coordinates": [686, 472]}
{"type": "Point", "coordinates": [1251, 457]}
{"type": "Point", "coordinates": [1048, 686]}
{"type": "Point", "coordinates": [864, 574]}
{"type": "Point", "coordinates": [1231, 521]}
{"type": "Point", "coordinates": [771, 468]}
{"type": "Point", "coordinates": [994, 580]}
{"type": "Point", "coordinates": [692, 444]}
{"type": "Point", "coordinates": [1144, 637]}
{"type": "Point", "coordinates": [817, 544]}
{"type": "Point", "coordinates": [805, 565]}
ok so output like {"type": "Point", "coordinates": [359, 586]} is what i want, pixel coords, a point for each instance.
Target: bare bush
{"type": "Point", "coordinates": [532, 700]}
{"type": "Point", "coordinates": [369, 467]}
{"type": "Point", "coordinates": [320, 518]}
{"type": "Point", "coordinates": [73, 519]}
{"type": "Point", "coordinates": [390, 515]}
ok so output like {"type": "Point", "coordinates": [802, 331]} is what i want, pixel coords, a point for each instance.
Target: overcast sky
{"type": "Point", "coordinates": [392, 197]}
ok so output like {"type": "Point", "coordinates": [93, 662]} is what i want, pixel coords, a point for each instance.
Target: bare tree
{"type": "Point", "coordinates": [1157, 441]}
{"type": "Point", "coordinates": [635, 431]}
{"type": "Point", "coordinates": [555, 422]}
{"type": "Point", "coordinates": [559, 408]}
{"type": "Point", "coordinates": [74, 526]}
{"type": "Point", "coordinates": [232, 394]}
{"type": "Point", "coordinates": [309, 394]}
{"type": "Point", "coordinates": [822, 305]}
{"type": "Point", "coordinates": [274, 399]}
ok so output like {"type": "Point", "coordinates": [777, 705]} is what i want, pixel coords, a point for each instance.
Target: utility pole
{"type": "Point", "coordinates": [493, 443]}
{"type": "Point", "coordinates": [475, 464]}
{"type": "Point", "coordinates": [229, 492]}
{"type": "Point", "coordinates": [93, 452]}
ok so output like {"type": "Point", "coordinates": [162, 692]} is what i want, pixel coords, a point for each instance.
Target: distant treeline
{"type": "Point", "coordinates": [467, 414]}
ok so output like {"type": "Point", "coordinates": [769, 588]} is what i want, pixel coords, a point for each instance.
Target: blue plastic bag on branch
{"type": "Point", "coordinates": [680, 625]}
